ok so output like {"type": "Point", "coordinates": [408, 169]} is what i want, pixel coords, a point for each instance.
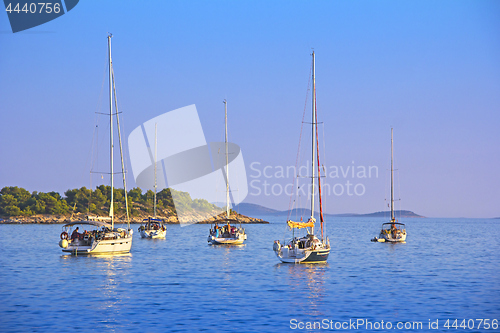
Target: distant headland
{"type": "Point", "coordinates": [258, 210]}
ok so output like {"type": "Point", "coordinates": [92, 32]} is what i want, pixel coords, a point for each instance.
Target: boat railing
{"type": "Point", "coordinates": [98, 218]}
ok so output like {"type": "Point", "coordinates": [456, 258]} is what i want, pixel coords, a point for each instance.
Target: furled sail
{"type": "Point", "coordinates": [300, 225]}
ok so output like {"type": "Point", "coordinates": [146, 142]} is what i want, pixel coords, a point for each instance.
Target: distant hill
{"type": "Point", "coordinates": [398, 213]}
{"type": "Point", "coordinates": [250, 209]}
{"type": "Point", "coordinates": [254, 209]}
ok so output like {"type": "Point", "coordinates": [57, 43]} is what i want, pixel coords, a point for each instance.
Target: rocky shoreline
{"type": "Point", "coordinates": [243, 219]}
{"type": "Point", "coordinates": [172, 219]}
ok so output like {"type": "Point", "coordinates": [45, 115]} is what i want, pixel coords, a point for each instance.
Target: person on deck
{"type": "Point", "coordinates": [75, 234]}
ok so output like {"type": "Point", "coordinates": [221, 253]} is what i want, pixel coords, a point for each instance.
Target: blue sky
{"type": "Point", "coordinates": [429, 69]}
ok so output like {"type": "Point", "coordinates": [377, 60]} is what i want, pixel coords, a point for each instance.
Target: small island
{"type": "Point", "coordinates": [234, 216]}
{"type": "Point", "coordinates": [18, 205]}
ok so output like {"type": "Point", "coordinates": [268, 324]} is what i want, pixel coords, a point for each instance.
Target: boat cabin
{"type": "Point", "coordinates": [393, 226]}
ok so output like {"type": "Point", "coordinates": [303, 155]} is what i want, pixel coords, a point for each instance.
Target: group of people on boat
{"type": "Point", "coordinates": [225, 231]}
{"type": "Point", "coordinates": [76, 235]}
{"type": "Point", "coordinates": [393, 230]}
{"type": "Point", "coordinates": [88, 235]}
{"type": "Point", "coordinates": [308, 241]}
{"type": "Point", "coordinates": [153, 226]}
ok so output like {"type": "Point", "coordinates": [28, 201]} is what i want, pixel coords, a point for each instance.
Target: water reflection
{"type": "Point", "coordinates": [308, 280]}
{"type": "Point", "coordinates": [225, 252]}
{"type": "Point", "coordinates": [227, 264]}
{"type": "Point", "coordinates": [105, 277]}
{"type": "Point", "coordinates": [393, 247]}
{"type": "Point", "coordinates": [103, 255]}
{"type": "Point", "coordinates": [113, 266]}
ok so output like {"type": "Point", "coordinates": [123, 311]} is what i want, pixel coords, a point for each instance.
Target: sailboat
{"type": "Point", "coordinates": [308, 248]}
{"type": "Point", "coordinates": [226, 233]}
{"type": "Point", "coordinates": [154, 227]}
{"type": "Point", "coordinates": [99, 234]}
{"type": "Point", "coordinates": [392, 232]}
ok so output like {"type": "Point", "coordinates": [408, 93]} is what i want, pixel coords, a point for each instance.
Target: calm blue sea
{"type": "Point", "coordinates": [448, 269]}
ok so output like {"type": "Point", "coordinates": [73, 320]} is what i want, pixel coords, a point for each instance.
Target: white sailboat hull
{"type": "Point", "coordinates": [153, 234]}
{"type": "Point", "coordinates": [299, 256]}
{"type": "Point", "coordinates": [307, 249]}
{"type": "Point", "coordinates": [389, 238]}
{"type": "Point", "coordinates": [102, 246]}
{"type": "Point", "coordinates": [227, 241]}
{"type": "Point", "coordinates": [392, 232]}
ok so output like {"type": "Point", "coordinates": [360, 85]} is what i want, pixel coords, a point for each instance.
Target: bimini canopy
{"type": "Point", "coordinates": [300, 225]}
{"type": "Point", "coordinates": [225, 220]}
{"type": "Point", "coordinates": [152, 220]}
{"type": "Point", "coordinates": [390, 223]}
{"type": "Point", "coordinates": [94, 223]}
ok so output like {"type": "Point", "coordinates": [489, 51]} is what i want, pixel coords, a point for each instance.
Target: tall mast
{"type": "Point", "coordinates": [156, 185]}
{"type": "Point", "coordinates": [111, 210]}
{"type": "Point", "coordinates": [227, 162]}
{"type": "Point", "coordinates": [121, 148]}
{"type": "Point", "coordinates": [392, 178]}
{"type": "Point", "coordinates": [313, 135]}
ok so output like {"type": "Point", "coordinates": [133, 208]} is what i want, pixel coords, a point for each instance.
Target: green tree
{"type": "Point", "coordinates": [98, 202]}
{"type": "Point", "coordinates": [148, 197]}
{"type": "Point", "coordinates": [202, 205]}
{"type": "Point", "coordinates": [7, 200]}
{"type": "Point", "coordinates": [166, 198]}
{"type": "Point", "coordinates": [20, 194]}
{"type": "Point", "coordinates": [13, 211]}
{"type": "Point", "coordinates": [135, 194]}
{"type": "Point", "coordinates": [27, 211]}
{"type": "Point", "coordinates": [39, 206]}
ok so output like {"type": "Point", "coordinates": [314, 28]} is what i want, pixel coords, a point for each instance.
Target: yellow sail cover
{"type": "Point", "coordinates": [300, 225]}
